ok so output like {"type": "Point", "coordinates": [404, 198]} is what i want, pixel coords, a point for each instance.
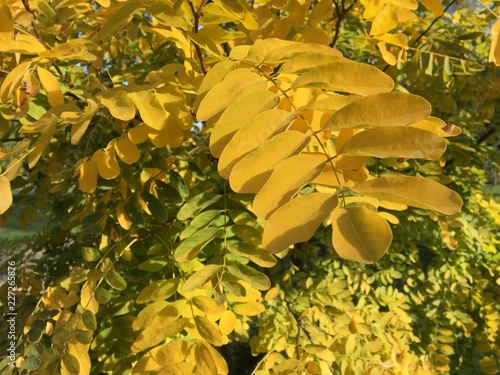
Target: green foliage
{"type": "Point", "coordinates": [215, 173]}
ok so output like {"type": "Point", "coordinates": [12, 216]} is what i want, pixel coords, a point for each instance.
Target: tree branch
{"type": "Point", "coordinates": [341, 12]}
{"type": "Point", "coordinates": [196, 15]}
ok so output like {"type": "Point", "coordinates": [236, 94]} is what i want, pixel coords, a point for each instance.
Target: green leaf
{"type": "Point", "coordinates": [178, 183]}
{"type": "Point", "coordinates": [30, 363]}
{"type": "Point", "coordinates": [287, 179]}
{"type": "Point", "coordinates": [360, 234]}
{"type": "Point", "coordinates": [208, 305]}
{"type": "Point", "coordinates": [412, 191]}
{"type": "Point", "coordinates": [89, 320]}
{"type": "Point", "coordinates": [190, 247]}
{"type": "Point", "coordinates": [297, 221]}
{"type": "Point", "coordinates": [134, 214]}
{"type": "Point", "coordinates": [351, 77]}
{"type": "Point", "coordinates": [201, 277]}
{"type": "Point", "coordinates": [70, 364]}
{"type": "Point", "coordinates": [168, 192]}
{"type": "Point", "coordinates": [385, 109]}
{"type": "Point", "coordinates": [196, 204]}
{"type": "Point", "coordinates": [153, 264]}
{"type": "Point", "coordinates": [258, 256]}
{"type": "Point", "coordinates": [395, 142]}
{"type": "Point", "coordinates": [90, 254]}
{"type": "Point", "coordinates": [257, 279]}
{"type": "Point", "coordinates": [200, 221]}
{"type": "Point", "coordinates": [251, 173]}
{"type": "Point", "coordinates": [155, 207]}
{"type": "Point", "coordinates": [115, 281]}
{"type": "Point", "coordinates": [158, 291]}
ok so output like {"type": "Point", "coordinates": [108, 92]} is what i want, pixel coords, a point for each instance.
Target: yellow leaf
{"type": "Point", "coordinates": [249, 308]}
{"type": "Point", "coordinates": [386, 20]}
{"type": "Point", "coordinates": [227, 322]}
{"type": "Point", "coordinates": [495, 44]}
{"type": "Point", "coordinates": [246, 273]}
{"type": "Point", "coordinates": [230, 121]}
{"type": "Point", "coordinates": [219, 360]}
{"type": "Point", "coordinates": [107, 165]}
{"type": "Point", "coordinates": [297, 221]}
{"type": "Point", "coordinates": [147, 314]}
{"type": "Point", "coordinates": [87, 181]}
{"type": "Point", "coordinates": [434, 6]}
{"type": "Point", "coordinates": [13, 80]}
{"type": "Point", "coordinates": [69, 364]}
{"type": "Point", "coordinates": [298, 64]}
{"type": "Point", "coordinates": [6, 26]}
{"type": "Point", "coordinates": [360, 234]}
{"type": "Point", "coordinates": [138, 134]}
{"type": "Point", "coordinates": [5, 194]}
{"type": "Point", "coordinates": [251, 173]}
{"type": "Point", "coordinates": [82, 122]}
{"type": "Point", "coordinates": [351, 77]}
{"type": "Point", "coordinates": [287, 178]}
{"type": "Point", "coordinates": [412, 191]}
{"type": "Point", "coordinates": [400, 40]}
{"type": "Point", "coordinates": [235, 84]}
{"type": "Point", "coordinates": [251, 135]}
{"type": "Point", "coordinates": [205, 365]}
{"type": "Point", "coordinates": [209, 331]}
{"type": "Point", "coordinates": [388, 57]}
{"type": "Point", "coordinates": [173, 352]}
{"type": "Point", "coordinates": [201, 277]}
{"type": "Point", "coordinates": [158, 291]}
{"type": "Point", "coordinates": [208, 305]}
{"type": "Point", "coordinates": [126, 150]}
{"type": "Point", "coordinates": [51, 87]}
{"type": "Point", "coordinates": [395, 142]}
{"type": "Point", "coordinates": [149, 108]}
{"type": "Point", "coordinates": [385, 109]}
{"type": "Point", "coordinates": [80, 352]}
{"type": "Point", "coordinates": [119, 104]}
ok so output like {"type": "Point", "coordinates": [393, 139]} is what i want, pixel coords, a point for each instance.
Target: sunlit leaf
{"type": "Point", "coordinates": [296, 221]}
{"type": "Point", "coordinates": [412, 191]}
{"type": "Point", "coordinates": [385, 109]}
{"type": "Point", "coordinates": [5, 194]}
{"type": "Point", "coordinates": [360, 234]}
{"type": "Point", "coordinates": [51, 86]}
{"type": "Point", "coordinates": [201, 277]}
{"type": "Point", "coordinates": [209, 331]}
{"type": "Point", "coordinates": [257, 279]}
{"type": "Point", "coordinates": [190, 247]}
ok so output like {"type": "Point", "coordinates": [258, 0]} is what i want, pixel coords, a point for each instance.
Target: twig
{"type": "Point", "coordinates": [422, 34]}
{"type": "Point", "coordinates": [196, 15]}
{"type": "Point", "coordinates": [18, 139]}
{"type": "Point", "coordinates": [341, 11]}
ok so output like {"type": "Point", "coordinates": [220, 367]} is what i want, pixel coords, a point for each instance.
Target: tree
{"type": "Point", "coordinates": [192, 158]}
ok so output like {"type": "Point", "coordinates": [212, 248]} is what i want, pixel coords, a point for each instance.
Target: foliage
{"type": "Point", "coordinates": [188, 154]}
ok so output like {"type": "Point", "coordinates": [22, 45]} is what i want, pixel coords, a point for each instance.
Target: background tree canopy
{"type": "Point", "coordinates": [250, 187]}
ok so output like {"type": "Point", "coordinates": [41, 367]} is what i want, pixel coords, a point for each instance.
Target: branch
{"type": "Point", "coordinates": [487, 135]}
{"type": "Point", "coordinates": [18, 139]}
{"type": "Point", "coordinates": [341, 12]}
{"type": "Point", "coordinates": [423, 33]}
{"type": "Point", "coordinates": [196, 15]}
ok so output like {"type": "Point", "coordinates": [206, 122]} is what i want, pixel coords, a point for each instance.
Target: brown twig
{"type": "Point", "coordinates": [196, 15]}
{"type": "Point", "coordinates": [341, 12]}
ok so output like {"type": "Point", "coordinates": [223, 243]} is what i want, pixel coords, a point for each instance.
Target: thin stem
{"type": "Point", "coordinates": [196, 17]}
{"type": "Point", "coordinates": [488, 9]}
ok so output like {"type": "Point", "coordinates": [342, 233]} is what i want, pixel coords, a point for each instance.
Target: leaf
{"type": "Point", "coordinates": [119, 104]}
{"type": "Point", "coordinates": [285, 181]}
{"type": "Point", "coordinates": [348, 77]}
{"type": "Point", "coordinates": [190, 247]}
{"type": "Point", "coordinates": [223, 94]}
{"type": "Point", "coordinates": [360, 234]}
{"type": "Point", "coordinates": [87, 180]}
{"type": "Point", "coordinates": [200, 221]}
{"type": "Point", "coordinates": [204, 361]}
{"type": "Point", "coordinates": [386, 20]}
{"type": "Point", "coordinates": [149, 108]}
{"type": "Point", "coordinates": [301, 63]}
{"type": "Point", "coordinates": [227, 322]}
{"type": "Point", "coordinates": [51, 87]}
{"type": "Point", "coordinates": [13, 79]}
{"type": "Point", "coordinates": [208, 305]}
{"type": "Point", "coordinates": [297, 221]}
{"type": "Point", "coordinates": [258, 256]}
{"type": "Point", "coordinates": [434, 6]}
{"type": "Point", "coordinates": [251, 135]}
{"type": "Point", "coordinates": [107, 165]}
{"type": "Point", "coordinates": [134, 214]}
{"type": "Point", "coordinates": [5, 194]}
{"type": "Point", "coordinates": [115, 280]}
{"type": "Point", "coordinates": [230, 122]}
{"type": "Point", "coordinates": [386, 109]}
{"type": "Point", "coordinates": [155, 207]}
{"type": "Point", "coordinates": [116, 20]}
{"type": "Point", "coordinates": [197, 204]}
{"type": "Point", "coordinates": [257, 279]}
{"type": "Point", "coordinates": [89, 320]}
{"type": "Point", "coordinates": [412, 191]}
{"type": "Point", "coordinates": [173, 352]}
{"type": "Point", "coordinates": [126, 150]}
{"type": "Point", "coordinates": [90, 254]}
{"type": "Point", "coordinates": [251, 173]}
{"type": "Point", "coordinates": [209, 331]}
{"type": "Point", "coordinates": [495, 44]}
{"type": "Point", "coordinates": [69, 364]}
{"type": "Point", "coordinates": [201, 277]}
{"type": "Point", "coordinates": [395, 142]}
{"type": "Point", "coordinates": [249, 308]}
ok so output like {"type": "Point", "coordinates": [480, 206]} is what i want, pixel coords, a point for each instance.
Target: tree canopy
{"type": "Point", "coordinates": [306, 177]}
